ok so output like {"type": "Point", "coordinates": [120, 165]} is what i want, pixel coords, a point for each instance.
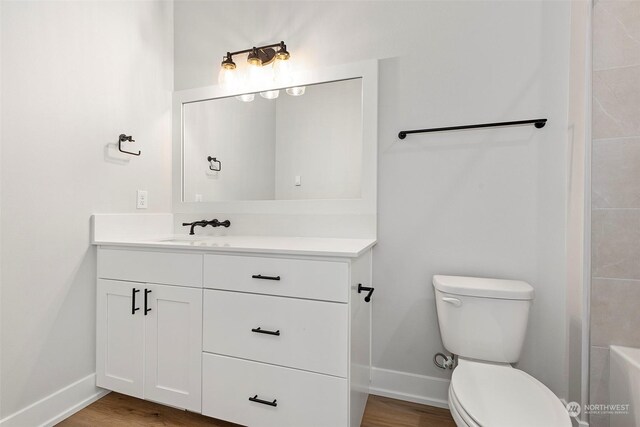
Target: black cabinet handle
{"type": "Point", "coordinates": [365, 289]}
{"type": "Point", "coordinates": [264, 402]}
{"type": "Point", "coordinates": [134, 291]}
{"type": "Point", "coordinates": [146, 310]}
{"type": "Point", "coordinates": [262, 331]}
{"type": "Point", "coordinates": [260, 276]}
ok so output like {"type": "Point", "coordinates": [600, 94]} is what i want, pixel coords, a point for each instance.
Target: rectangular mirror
{"type": "Point", "coordinates": [311, 153]}
{"type": "Point", "coordinates": [304, 144]}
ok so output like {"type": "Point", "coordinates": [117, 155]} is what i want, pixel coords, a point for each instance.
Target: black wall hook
{"type": "Point", "coordinates": [213, 160]}
{"type": "Point", "coordinates": [129, 138]}
{"type": "Point", "coordinates": [365, 289]}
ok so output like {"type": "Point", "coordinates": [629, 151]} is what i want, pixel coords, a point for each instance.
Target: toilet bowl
{"type": "Point", "coordinates": [483, 322]}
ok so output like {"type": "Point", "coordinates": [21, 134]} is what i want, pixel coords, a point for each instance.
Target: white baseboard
{"type": "Point", "coordinates": [410, 387]}
{"type": "Point", "coordinates": [57, 406]}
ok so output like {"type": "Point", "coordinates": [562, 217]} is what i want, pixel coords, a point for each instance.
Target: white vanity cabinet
{"type": "Point", "coordinates": [286, 340]}
{"type": "Point", "coordinates": [258, 339]}
{"type": "Point", "coordinates": [149, 336]}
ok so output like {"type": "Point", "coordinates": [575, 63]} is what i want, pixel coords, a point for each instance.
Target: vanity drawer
{"type": "Point", "coordinates": [297, 398]}
{"type": "Point", "coordinates": [322, 280]}
{"type": "Point", "coordinates": [298, 333]}
{"type": "Point", "coordinates": [150, 267]}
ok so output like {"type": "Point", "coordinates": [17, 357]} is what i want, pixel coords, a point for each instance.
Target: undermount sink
{"type": "Point", "coordinates": [195, 240]}
{"type": "Point", "coordinates": [188, 239]}
{"type": "Point", "coordinates": [183, 239]}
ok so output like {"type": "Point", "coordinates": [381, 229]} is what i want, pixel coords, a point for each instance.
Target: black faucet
{"type": "Point", "coordinates": [204, 223]}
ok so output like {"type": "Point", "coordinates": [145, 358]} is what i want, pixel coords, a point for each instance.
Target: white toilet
{"type": "Point", "coordinates": [483, 322]}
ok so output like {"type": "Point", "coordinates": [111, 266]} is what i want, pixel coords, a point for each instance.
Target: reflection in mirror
{"type": "Point", "coordinates": [304, 144]}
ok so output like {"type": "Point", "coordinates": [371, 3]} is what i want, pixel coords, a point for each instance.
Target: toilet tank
{"type": "Point", "coordinates": [483, 319]}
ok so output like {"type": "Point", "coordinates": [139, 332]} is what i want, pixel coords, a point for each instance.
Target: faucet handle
{"type": "Point", "coordinates": [216, 223]}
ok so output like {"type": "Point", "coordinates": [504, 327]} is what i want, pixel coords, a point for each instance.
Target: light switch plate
{"type": "Point", "coordinates": [142, 201]}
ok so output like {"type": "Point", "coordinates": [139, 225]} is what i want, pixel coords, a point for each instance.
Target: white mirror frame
{"type": "Point", "coordinates": [368, 71]}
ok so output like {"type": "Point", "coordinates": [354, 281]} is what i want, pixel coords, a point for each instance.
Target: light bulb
{"type": "Point", "coordinates": [255, 76]}
{"type": "Point", "coordinates": [283, 71]}
{"type": "Point", "coordinates": [227, 78]}
{"type": "Point", "coordinates": [270, 94]}
{"type": "Point", "coordinates": [247, 97]}
{"type": "Point", "coordinates": [254, 58]}
{"type": "Point", "coordinates": [296, 91]}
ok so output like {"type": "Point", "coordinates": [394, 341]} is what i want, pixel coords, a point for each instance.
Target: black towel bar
{"type": "Point", "coordinates": [538, 123]}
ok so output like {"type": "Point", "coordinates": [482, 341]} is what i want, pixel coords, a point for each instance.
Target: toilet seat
{"type": "Point", "coordinates": [459, 416]}
{"type": "Point", "coordinates": [484, 394]}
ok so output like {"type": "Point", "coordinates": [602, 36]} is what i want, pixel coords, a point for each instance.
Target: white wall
{"type": "Point", "coordinates": [487, 203]}
{"type": "Point", "coordinates": [246, 149]}
{"type": "Point", "coordinates": [74, 76]}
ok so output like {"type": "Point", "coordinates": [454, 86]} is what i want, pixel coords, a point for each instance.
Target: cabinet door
{"type": "Point", "coordinates": [120, 337]}
{"type": "Point", "coordinates": [173, 345]}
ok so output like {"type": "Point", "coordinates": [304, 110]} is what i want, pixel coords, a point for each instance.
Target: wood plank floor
{"type": "Point", "coordinates": [385, 412]}
{"type": "Point", "coordinates": [119, 410]}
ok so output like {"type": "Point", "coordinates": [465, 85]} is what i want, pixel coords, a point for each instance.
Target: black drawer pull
{"type": "Point", "coordinates": [134, 291]}
{"type": "Point", "coordinates": [264, 402]}
{"type": "Point", "coordinates": [262, 331]}
{"type": "Point", "coordinates": [260, 276]}
{"type": "Point", "coordinates": [146, 293]}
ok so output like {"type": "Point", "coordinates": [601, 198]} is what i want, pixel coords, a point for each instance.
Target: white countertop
{"type": "Point", "coordinates": [329, 247]}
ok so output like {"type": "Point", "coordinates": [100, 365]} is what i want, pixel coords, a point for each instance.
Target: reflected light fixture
{"type": "Point", "coordinates": [270, 94]}
{"type": "Point", "coordinates": [257, 58]}
{"type": "Point", "coordinates": [247, 97]}
{"type": "Point", "coordinates": [296, 91]}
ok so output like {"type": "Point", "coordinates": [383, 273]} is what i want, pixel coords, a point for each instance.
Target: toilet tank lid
{"type": "Point", "coordinates": [484, 287]}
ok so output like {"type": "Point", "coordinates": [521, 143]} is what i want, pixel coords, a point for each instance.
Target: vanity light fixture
{"type": "Point", "coordinates": [258, 57]}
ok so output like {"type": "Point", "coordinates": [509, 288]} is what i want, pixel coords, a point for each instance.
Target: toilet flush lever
{"type": "Point", "coordinates": [455, 301]}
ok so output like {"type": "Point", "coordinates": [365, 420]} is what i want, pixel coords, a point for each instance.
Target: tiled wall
{"type": "Point", "coordinates": [615, 286]}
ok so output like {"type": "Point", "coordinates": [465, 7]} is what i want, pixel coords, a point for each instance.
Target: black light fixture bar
{"type": "Point", "coordinates": [240, 52]}
{"type": "Point", "coordinates": [538, 123]}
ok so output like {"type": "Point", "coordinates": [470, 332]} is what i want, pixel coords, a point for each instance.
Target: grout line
{"type": "Point", "coordinates": [619, 67]}
{"type": "Point", "coordinates": [615, 278]}
{"type": "Point", "coordinates": [615, 209]}
{"type": "Point", "coordinates": [616, 138]}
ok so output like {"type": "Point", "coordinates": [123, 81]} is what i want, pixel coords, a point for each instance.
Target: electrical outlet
{"type": "Point", "coordinates": [142, 201]}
